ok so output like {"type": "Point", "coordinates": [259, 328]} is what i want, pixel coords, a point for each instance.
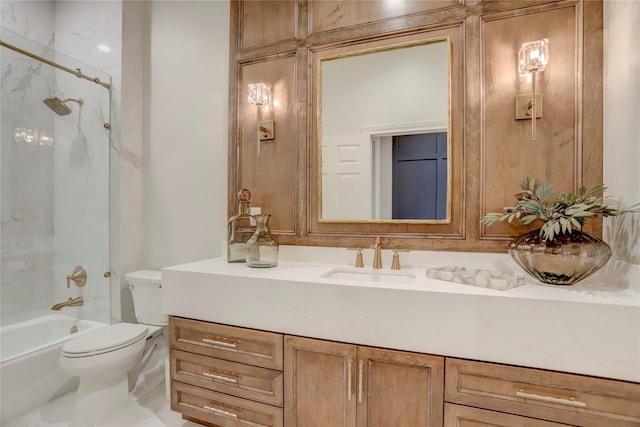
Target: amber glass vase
{"type": "Point", "coordinates": [565, 260]}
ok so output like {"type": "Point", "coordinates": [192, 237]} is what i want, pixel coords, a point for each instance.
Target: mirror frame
{"type": "Point", "coordinates": [453, 227]}
{"type": "Point", "coordinates": [319, 108]}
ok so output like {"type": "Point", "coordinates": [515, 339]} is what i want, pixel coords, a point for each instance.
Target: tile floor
{"type": "Point", "coordinates": [151, 410]}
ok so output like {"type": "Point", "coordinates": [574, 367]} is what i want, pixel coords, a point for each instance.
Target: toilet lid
{"type": "Point", "coordinates": [144, 276]}
{"type": "Point", "coordinates": [105, 339]}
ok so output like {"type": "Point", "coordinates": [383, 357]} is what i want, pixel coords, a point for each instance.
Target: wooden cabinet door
{"type": "Point", "coordinates": [319, 383]}
{"type": "Point", "coordinates": [397, 388]}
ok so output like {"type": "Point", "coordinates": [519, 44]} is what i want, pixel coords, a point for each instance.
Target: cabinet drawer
{"type": "Point", "coordinates": [466, 416]}
{"type": "Point", "coordinates": [227, 342]}
{"type": "Point", "coordinates": [565, 398]}
{"type": "Point", "coordinates": [221, 409]}
{"type": "Point", "coordinates": [246, 381]}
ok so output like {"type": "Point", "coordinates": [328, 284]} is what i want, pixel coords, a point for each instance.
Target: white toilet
{"type": "Point", "coordinates": [113, 360]}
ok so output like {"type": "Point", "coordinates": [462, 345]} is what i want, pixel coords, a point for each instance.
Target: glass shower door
{"type": "Point", "coordinates": [54, 184]}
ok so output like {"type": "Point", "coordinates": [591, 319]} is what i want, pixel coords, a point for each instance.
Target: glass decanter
{"type": "Point", "coordinates": [262, 247]}
{"type": "Point", "coordinates": [239, 229]}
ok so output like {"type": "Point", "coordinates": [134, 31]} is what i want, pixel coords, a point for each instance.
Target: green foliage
{"type": "Point", "coordinates": [560, 215]}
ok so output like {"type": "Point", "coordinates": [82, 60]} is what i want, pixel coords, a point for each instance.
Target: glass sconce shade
{"type": "Point", "coordinates": [259, 94]}
{"type": "Point", "coordinates": [533, 56]}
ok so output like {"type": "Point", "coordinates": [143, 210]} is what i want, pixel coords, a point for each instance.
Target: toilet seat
{"type": "Point", "coordinates": [105, 340]}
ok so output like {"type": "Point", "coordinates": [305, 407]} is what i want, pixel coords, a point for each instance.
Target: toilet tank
{"type": "Point", "coordinates": [146, 288]}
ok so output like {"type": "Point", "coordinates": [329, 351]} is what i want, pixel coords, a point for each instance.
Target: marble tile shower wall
{"type": "Point", "coordinates": [65, 219]}
{"type": "Point", "coordinates": [27, 166]}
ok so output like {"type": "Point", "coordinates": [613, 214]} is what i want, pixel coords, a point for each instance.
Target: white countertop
{"type": "Point", "coordinates": [590, 328]}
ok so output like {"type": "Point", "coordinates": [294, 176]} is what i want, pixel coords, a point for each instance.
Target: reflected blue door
{"type": "Point", "coordinates": [420, 176]}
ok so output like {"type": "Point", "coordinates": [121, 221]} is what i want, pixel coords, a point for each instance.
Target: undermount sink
{"type": "Point", "coordinates": [370, 275]}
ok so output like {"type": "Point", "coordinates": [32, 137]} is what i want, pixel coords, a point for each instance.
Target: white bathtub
{"type": "Point", "coordinates": [29, 361]}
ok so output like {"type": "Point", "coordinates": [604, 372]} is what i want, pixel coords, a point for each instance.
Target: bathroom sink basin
{"type": "Point", "coordinates": [370, 275]}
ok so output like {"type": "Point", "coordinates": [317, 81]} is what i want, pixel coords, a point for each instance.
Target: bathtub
{"type": "Point", "coordinates": [29, 361]}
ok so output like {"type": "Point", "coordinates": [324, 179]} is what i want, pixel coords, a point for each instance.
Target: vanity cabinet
{"type": "Point", "coordinates": [335, 384]}
{"type": "Point", "coordinates": [566, 399]}
{"type": "Point", "coordinates": [226, 376]}
{"type": "Point", "coordinates": [231, 377]}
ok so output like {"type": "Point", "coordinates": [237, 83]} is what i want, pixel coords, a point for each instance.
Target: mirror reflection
{"type": "Point", "coordinates": [384, 133]}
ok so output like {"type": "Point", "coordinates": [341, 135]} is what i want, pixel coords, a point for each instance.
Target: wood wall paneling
{"type": "Point", "coordinates": [508, 153]}
{"type": "Point", "coordinates": [266, 22]}
{"type": "Point", "coordinates": [327, 15]}
{"type": "Point", "coordinates": [270, 176]}
{"type": "Point", "coordinates": [278, 41]}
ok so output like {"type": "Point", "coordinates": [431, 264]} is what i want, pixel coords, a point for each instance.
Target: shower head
{"type": "Point", "coordinates": [60, 107]}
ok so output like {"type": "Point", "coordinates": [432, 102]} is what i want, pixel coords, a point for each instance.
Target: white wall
{"type": "Point", "coordinates": [184, 181]}
{"type": "Point", "coordinates": [621, 124]}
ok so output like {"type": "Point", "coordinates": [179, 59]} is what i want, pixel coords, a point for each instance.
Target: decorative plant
{"type": "Point", "coordinates": [561, 215]}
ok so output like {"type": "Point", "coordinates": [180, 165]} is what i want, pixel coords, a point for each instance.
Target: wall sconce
{"type": "Point", "coordinates": [259, 96]}
{"type": "Point", "coordinates": [532, 57]}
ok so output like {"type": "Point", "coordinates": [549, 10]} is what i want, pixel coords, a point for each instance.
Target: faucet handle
{"type": "Point", "coordinates": [79, 277]}
{"type": "Point", "coordinates": [359, 262]}
{"type": "Point", "coordinates": [395, 264]}
{"type": "Point", "coordinates": [377, 243]}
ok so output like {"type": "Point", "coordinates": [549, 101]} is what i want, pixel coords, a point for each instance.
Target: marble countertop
{"type": "Point", "coordinates": [590, 328]}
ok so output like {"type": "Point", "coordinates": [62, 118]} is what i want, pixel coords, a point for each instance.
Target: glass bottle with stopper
{"type": "Point", "coordinates": [239, 229]}
{"type": "Point", "coordinates": [262, 247]}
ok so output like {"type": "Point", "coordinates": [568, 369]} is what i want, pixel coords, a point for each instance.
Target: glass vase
{"type": "Point", "coordinates": [262, 247]}
{"type": "Point", "coordinates": [565, 260]}
{"type": "Point", "coordinates": [239, 229]}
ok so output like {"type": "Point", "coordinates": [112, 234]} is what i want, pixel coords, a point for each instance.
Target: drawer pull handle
{"type": "Point", "coordinates": [568, 402]}
{"type": "Point", "coordinates": [221, 413]}
{"type": "Point", "coordinates": [360, 372]}
{"type": "Point", "coordinates": [349, 380]}
{"type": "Point", "coordinates": [220, 377]}
{"type": "Point", "coordinates": [218, 342]}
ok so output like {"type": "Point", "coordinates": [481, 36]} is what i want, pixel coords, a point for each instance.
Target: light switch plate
{"type": "Point", "coordinates": [523, 106]}
{"type": "Point", "coordinates": [266, 130]}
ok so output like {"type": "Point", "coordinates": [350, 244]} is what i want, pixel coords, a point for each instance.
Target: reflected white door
{"type": "Point", "coordinates": [346, 177]}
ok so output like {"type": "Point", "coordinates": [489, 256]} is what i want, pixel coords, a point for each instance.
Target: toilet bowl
{"type": "Point", "coordinates": [117, 363]}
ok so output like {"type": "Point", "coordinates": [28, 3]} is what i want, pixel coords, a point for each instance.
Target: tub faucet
{"type": "Point", "coordinates": [75, 302]}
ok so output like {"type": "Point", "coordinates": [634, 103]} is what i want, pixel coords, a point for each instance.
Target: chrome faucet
{"type": "Point", "coordinates": [377, 257]}
{"type": "Point", "coordinates": [75, 302]}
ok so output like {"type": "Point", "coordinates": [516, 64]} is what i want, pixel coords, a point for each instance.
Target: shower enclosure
{"type": "Point", "coordinates": [54, 183]}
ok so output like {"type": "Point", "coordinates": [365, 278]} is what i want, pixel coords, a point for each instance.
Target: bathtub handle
{"type": "Point", "coordinates": [79, 277]}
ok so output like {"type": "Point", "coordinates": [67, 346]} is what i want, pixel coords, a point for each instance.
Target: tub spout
{"type": "Point", "coordinates": [71, 302]}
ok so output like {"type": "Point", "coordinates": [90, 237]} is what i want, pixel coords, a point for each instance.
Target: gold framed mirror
{"type": "Point", "coordinates": [384, 133]}
{"type": "Point", "coordinates": [386, 141]}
